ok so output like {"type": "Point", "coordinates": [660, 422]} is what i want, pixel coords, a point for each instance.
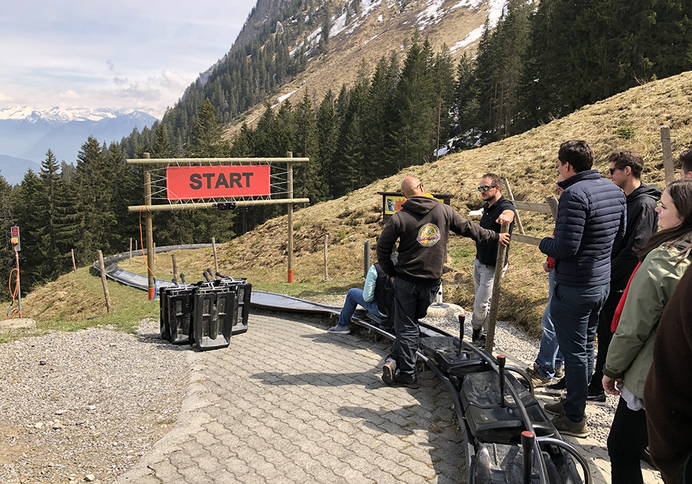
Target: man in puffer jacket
{"type": "Point", "coordinates": [422, 228]}
{"type": "Point", "coordinates": [591, 217]}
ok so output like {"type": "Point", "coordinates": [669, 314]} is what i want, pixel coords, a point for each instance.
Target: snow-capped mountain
{"type": "Point", "coordinates": [60, 114]}
{"type": "Point", "coordinates": [27, 133]}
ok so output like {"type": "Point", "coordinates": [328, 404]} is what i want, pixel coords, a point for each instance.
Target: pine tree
{"type": "Point", "coordinates": [310, 177]}
{"type": "Point", "coordinates": [206, 138]}
{"type": "Point", "coordinates": [30, 222]}
{"type": "Point", "coordinates": [327, 133]}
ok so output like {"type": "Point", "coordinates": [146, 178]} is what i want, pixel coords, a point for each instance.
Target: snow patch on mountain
{"type": "Point", "coordinates": [495, 9]}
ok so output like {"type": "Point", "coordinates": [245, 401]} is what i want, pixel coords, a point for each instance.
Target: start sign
{"type": "Point", "coordinates": [196, 182]}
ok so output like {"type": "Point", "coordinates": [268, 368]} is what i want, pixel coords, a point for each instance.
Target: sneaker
{"type": "Point", "coordinates": [537, 379]}
{"type": "Point", "coordinates": [595, 395]}
{"type": "Point", "coordinates": [567, 427]}
{"type": "Point", "coordinates": [559, 372]}
{"type": "Point", "coordinates": [389, 372]}
{"type": "Point", "coordinates": [560, 385]}
{"type": "Point", "coordinates": [478, 338]}
{"type": "Point", "coordinates": [340, 329]}
{"type": "Point", "coordinates": [556, 408]}
{"type": "Point", "coordinates": [407, 381]}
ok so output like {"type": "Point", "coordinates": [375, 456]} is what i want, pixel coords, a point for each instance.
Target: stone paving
{"type": "Point", "coordinates": [289, 402]}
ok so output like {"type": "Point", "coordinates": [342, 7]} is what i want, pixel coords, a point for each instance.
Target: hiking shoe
{"type": "Point", "coordinates": [567, 427]}
{"type": "Point", "coordinates": [559, 372]}
{"type": "Point", "coordinates": [537, 379]}
{"type": "Point", "coordinates": [389, 372]}
{"type": "Point", "coordinates": [478, 338]}
{"type": "Point", "coordinates": [340, 329]}
{"type": "Point", "coordinates": [560, 385]}
{"type": "Point", "coordinates": [556, 408]}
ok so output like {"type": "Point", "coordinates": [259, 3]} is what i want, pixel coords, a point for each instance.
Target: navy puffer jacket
{"type": "Point", "coordinates": [590, 218]}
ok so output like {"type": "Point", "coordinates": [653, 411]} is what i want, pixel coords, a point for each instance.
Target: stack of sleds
{"type": "Point", "coordinates": [205, 314]}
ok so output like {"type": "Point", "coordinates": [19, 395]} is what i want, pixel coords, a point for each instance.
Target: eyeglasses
{"type": "Point", "coordinates": [485, 188]}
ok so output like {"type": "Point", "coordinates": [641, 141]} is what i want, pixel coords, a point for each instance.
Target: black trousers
{"type": "Point", "coordinates": [626, 442]}
{"type": "Point", "coordinates": [604, 338]}
{"type": "Point", "coordinates": [411, 302]}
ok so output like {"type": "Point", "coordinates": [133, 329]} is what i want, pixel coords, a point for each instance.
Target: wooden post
{"type": "Point", "coordinates": [667, 149]}
{"type": "Point", "coordinates": [106, 294]}
{"type": "Point", "coordinates": [175, 267]}
{"type": "Point", "coordinates": [150, 233]}
{"type": "Point", "coordinates": [552, 203]}
{"type": "Point", "coordinates": [136, 245]}
{"type": "Point", "coordinates": [326, 248]}
{"type": "Point", "coordinates": [74, 263]}
{"type": "Point", "coordinates": [366, 257]}
{"type": "Point", "coordinates": [511, 197]}
{"type": "Point", "coordinates": [497, 286]}
{"type": "Point", "coordinates": [213, 250]}
{"type": "Point", "coordinates": [289, 166]}
{"type": "Point", "coordinates": [130, 247]}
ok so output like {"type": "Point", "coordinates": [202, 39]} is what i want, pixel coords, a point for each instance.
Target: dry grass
{"type": "Point", "coordinates": [527, 160]}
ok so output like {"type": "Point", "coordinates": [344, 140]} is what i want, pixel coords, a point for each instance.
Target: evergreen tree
{"type": "Point", "coordinates": [311, 180]}
{"type": "Point", "coordinates": [327, 133]}
{"type": "Point", "coordinates": [30, 222]}
{"type": "Point", "coordinates": [206, 138]}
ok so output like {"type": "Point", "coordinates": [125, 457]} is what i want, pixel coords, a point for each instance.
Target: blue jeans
{"type": "Point", "coordinates": [549, 356]}
{"type": "Point", "coordinates": [353, 299]}
{"type": "Point", "coordinates": [574, 311]}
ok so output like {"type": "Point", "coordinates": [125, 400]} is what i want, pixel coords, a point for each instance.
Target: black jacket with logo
{"type": "Point", "coordinates": [422, 227]}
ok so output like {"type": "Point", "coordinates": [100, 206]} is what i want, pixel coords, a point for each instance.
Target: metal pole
{"type": "Point", "coordinates": [150, 234]}
{"type": "Point", "coordinates": [366, 257]}
{"type": "Point", "coordinates": [213, 250]}
{"type": "Point", "coordinates": [495, 299]}
{"type": "Point", "coordinates": [667, 149]}
{"type": "Point", "coordinates": [104, 284]}
{"type": "Point", "coordinates": [289, 166]}
{"type": "Point", "coordinates": [326, 249]}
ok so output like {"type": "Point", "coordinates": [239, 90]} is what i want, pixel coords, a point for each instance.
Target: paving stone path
{"type": "Point", "coordinates": [289, 402]}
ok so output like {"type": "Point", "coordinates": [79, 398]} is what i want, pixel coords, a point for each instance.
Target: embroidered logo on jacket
{"type": "Point", "coordinates": [428, 235]}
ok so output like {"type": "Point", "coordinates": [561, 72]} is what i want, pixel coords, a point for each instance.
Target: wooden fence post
{"type": "Point", "coordinates": [175, 268]}
{"type": "Point", "coordinates": [326, 256]}
{"type": "Point", "coordinates": [667, 149]}
{"type": "Point", "coordinates": [552, 203]}
{"type": "Point", "coordinates": [511, 197]}
{"type": "Point", "coordinates": [216, 260]}
{"type": "Point", "coordinates": [74, 263]}
{"type": "Point", "coordinates": [106, 294]}
{"type": "Point", "coordinates": [130, 247]}
{"type": "Point", "coordinates": [497, 286]}
{"type": "Point", "coordinates": [366, 257]}
{"type": "Point", "coordinates": [290, 276]}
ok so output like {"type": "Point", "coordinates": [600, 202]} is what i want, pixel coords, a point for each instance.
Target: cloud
{"type": "Point", "coordinates": [5, 98]}
{"type": "Point", "coordinates": [69, 94]}
{"type": "Point", "coordinates": [111, 65]}
{"type": "Point", "coordinates": [119, 81]}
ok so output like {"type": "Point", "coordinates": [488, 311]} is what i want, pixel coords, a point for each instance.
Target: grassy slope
{"type": "Point", "coordinates": [629, 120]}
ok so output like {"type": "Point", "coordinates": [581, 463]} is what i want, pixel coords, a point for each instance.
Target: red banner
{"type": "Point", "coordinates": [191, 182]}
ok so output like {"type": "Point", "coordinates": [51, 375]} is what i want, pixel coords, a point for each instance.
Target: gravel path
{"type": "Point", "coordinates": [86, 405]}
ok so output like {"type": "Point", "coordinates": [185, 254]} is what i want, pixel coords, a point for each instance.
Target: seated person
{"type": "Point", "coordinates": [373, 297]}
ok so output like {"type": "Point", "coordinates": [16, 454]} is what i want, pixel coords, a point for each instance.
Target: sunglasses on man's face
{"type": "Point", "coordinates": [485, 188]}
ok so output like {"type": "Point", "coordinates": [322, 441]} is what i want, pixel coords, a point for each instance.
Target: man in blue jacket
{"type": "Point", "coordinates": [591, 217]}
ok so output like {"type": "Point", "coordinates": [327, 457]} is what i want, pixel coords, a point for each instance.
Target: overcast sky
{"type": "Point", "coordinates": [105, 54]}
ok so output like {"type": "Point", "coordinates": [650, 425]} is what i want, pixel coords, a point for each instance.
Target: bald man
{"type": "Point", "coordinates": [422, 228]}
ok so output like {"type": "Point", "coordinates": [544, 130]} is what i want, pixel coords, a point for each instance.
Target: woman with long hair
{"type": "Point", "coordinates": [664, 260]}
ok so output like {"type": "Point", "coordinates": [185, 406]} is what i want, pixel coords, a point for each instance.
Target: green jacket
{"type": "Point", "coordinates": [631, 351]}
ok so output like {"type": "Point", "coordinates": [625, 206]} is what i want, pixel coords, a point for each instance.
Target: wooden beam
{"type": "Point", "coordinates": [526, 239]}
{"type": "Point", "coordinates": [191, 206]}
{"type": "Point", "coordinates": [511, 197]}
{"type": "Point", "coordinates": [216, 161]}
{"type": "Point", "coordinates": [533, 207]}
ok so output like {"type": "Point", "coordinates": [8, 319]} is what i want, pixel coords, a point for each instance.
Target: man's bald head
{"type": "Point", "coordinates": [411, 187]}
